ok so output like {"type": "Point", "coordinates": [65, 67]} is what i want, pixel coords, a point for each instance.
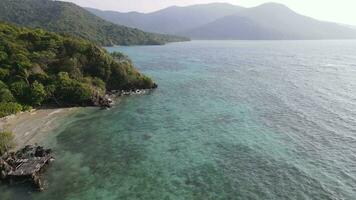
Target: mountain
{"type": "Point", "coordinates": [65, 17]}
{"type": "Point", "coordinates": [230, 28]}
{"type": "Point", "coordinates": [270, 21]}
{"type": "Point", "coordinates": [170, 20]}
{"type": "Point", "coordinates": [39, 67]}
{"type": "Point", "coordinates": [224, 21]}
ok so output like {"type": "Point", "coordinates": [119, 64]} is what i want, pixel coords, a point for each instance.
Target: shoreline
{"type": "Point", "coordinates": [30, 128]}
{"type": "Point", "coordinates": [33, 127]}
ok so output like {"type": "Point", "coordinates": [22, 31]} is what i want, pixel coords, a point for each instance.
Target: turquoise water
{"type": "Point", "coordinates": [230, 120]}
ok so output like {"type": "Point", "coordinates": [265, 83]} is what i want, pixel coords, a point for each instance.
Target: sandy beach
{"type": "Point", "coordinates": [33, 127]}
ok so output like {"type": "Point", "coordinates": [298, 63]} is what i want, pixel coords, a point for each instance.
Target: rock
{"type": "Point", "coordinates": [25, 165]}
{"type": "Point", "coordinates": [3, 174]}
{"type": "Point", "coordinates": [106, 100]}
{"type": "Point", "coordinates": [101, 101]}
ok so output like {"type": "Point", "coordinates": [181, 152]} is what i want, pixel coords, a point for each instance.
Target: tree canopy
{"type": "Point", "coordinates": [65, 17]}
{"type": "Point", "coordinates": [39, 67]}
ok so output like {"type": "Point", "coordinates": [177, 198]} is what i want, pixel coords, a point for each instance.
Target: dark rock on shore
{"type": "Point", "coordinates": [25, 165]}
{"type": "Point", "coordinates": [102, 101]}
{"type": "Point", "coordinates": [106, 101]}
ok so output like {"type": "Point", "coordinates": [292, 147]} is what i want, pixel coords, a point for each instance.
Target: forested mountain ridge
{"type": "Point", "coordinates": [269, 21]}
{"type": "Point", "coordinates": [65, 17]}
{"type": "Point", "coordinates": [170, 20]}
{"type": "Point", "coordinates": [39, 67]}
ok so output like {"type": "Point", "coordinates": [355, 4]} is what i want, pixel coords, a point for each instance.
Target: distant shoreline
{"type": "Point", "coordinates": [33, 127]}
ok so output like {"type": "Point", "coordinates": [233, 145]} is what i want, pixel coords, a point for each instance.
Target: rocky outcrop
{"type": "Point", "coordinates": [107, 100]}
{"type": "Point", "coordinates": [104, 101]}
{"type": "Point", "coordinates": [25, 165]}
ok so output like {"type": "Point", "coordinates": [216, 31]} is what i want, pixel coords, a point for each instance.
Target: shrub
{"type": "Point", "coordinates": [26, 108]}
{"type": "Point", "coordinates": [6, 141]}
{"type": "Point", "coordinates": [9, 108]}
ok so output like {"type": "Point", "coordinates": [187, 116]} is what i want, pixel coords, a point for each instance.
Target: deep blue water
{"type": "Point", "coordinates": [230, 120]}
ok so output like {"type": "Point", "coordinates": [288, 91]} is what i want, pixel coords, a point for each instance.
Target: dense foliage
{"type": "Point", "coordinates": [64, 17]}
{"type": "Point", "coordinates": [6, 141]}
{"type": "Point", "coordinates": [39, 67]}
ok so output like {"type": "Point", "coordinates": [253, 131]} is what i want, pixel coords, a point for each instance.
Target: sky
{"type": "Point", "coordinates": [340, 11]}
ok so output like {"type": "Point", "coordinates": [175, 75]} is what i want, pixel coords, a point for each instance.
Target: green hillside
{"type": "Point", "coordinates": [39, 67]}
{"type": "Point", "coordinates": [65, 17]}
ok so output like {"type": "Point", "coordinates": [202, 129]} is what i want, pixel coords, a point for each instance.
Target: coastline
{"type": "Point", "coordinates": [33, 127]}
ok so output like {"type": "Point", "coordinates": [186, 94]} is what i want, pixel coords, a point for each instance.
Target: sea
{"type": "Point", "coordinates": [230, 120]}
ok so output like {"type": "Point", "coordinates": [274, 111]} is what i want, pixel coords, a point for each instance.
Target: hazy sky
{"type": "Point", "coordinates": [342, 11]}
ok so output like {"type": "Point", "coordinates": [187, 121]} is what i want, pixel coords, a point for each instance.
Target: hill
{"type": "Point", "coordinates": [268, 21]}
{"type": "Point", "coordinates": [64, 17]}
{"type": "Point", "coordinates": [170, 20]}
{"type": "Point", "coordinates": [39, 67]}
{"type": "Point", "coordinates": [271, 21]}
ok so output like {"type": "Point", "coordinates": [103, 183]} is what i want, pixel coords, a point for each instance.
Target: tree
{"type": "Point", "coordinates": [4, 73]}
{"type": "Point", "coordinates": [20, 90]}
{"type": "Point", "coordinates": [3, 85]}
{"type": "Point", "coordinates": [6, 95]}
{"type": "Point", "coordinates": [72, 91]}
{"type": "Point", "coordinates": [120, 57]}
{"type": "Point", "coordinates": [23, 73]}
{"type": "Point", "coordinates": [38, 94]}
{"type": "Point", "coordinates": [3, 56]}
{"type": "Point", "coordinates": [38, 67]}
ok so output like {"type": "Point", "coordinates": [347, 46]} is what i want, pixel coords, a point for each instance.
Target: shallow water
{"type": "Point", "coordinates": [230, 120]}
